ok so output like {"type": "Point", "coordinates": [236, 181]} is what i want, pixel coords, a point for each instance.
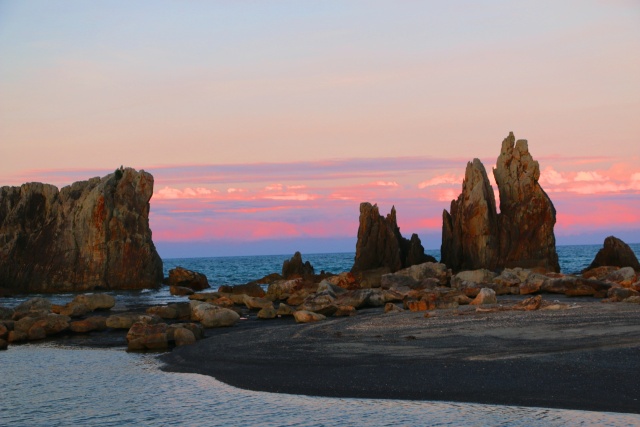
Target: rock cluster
{"type": "Point", "coordinates": [615, 253]}
{"type": "Point", "coordinates": [380, 244]}
{"type": "Point", "coordinates": [90, 235]}
{"type": "Point", "coordinates": [475, 236]}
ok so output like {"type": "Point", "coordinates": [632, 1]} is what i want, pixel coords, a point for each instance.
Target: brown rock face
{"type": "Point", "coordinates": [90, 235]}
{"type": "Point", "coordinates": [475, 236]}
{"type": "Point", "coordinates": [380, 243]}
{"type": "Point", "coordinates": [616, 253]}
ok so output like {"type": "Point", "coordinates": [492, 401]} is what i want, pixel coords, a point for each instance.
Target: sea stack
{"type": "Point", "coordinates": [615, 253]}
{"type": "Point", "coordinates": [91, 235]}
{"type": "Point", "coordinates": [475, 236]}
{"type": "Point", "coordinates": [380, 243]}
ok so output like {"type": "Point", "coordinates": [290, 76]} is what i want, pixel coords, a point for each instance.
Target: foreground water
{"type": "Point", "coordinates": [44, 385]}
{"type": "Point", "coordinates": [48, 385]}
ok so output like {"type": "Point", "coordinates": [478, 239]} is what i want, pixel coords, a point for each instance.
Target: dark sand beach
{"type": "Point", "coordinates": [586, 357]}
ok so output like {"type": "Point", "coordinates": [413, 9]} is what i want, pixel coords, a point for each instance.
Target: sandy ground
{"type": "Point", "coordinates": [585, 357]}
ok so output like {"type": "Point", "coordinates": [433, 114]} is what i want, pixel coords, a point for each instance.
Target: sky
{"type": "Point", "coordinates": [266, 123]}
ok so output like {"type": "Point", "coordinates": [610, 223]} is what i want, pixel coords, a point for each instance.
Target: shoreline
{"type": "Point", "coordinates": [583, 358]}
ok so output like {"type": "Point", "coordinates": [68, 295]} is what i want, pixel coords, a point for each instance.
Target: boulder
{"type": "Point", "coordinates": [163, 311]}
{"type": "Point", "coordinates": [345, 311]}
{"type": "Point", "coordinates": [345, 280]}
{"type": "Point", "coordinates": [486, 296]}
{"type": "Point", "coordinates": [180, 291]}
{"type": "Point", "coordinates": [255, 303]}
{"type": "Point", "coordinates": [617, 253]}
{"type": "Point", "coordinates": [359, 298]}
{"type": "Point", "coordinates": [3, 344]}
{"type": "Point", "coordinates": [33, 304]}
{"type": "Point", "coordinates": [621, 294]}
{"type": "Point", "coordinates": [380, 243]}
{"type": "Point", "coordinates": [625, 276]}
{"type": "Point", "coordinates": [204, 296]}
{"type": "Point", "coordinates": [93, 323]}
{"type": "Point", "coordinates": [475, 236]}
{"type": "Point", "coordinates": [529, 304]}
{"type": "Point", "coordinates": [146, 336]}
{"type": "Point", "coordinates": [212, 316]}
{"type": "Point", "coordinates": [250, 289]}
{"type": "Point", "coordinates": [294, 267]}
{"type": "Point", "coordinates": [196, 329]}
{"type": "Point", "coordinates": [418, 305]}
{"type": "Point", "coordinates": [599, 273]}
{"type": "Point", "coordinates": [41, 326]}
{"type": "Point", "coordinates": [96, 301]}
{"type": "Point", "coordinates": [183, 336]}
{"type": "Point", "coordinates": [267, 313]}
{"type": "Point", "coordinates": [392, 308]}
{"type": "Point", "coordinates": [575, 286]}
{"type": "Point", "coordinates": [283, 289]}
{"type": "Point", "coordinates": [122, 321]}
{"type": "Point", "coordinates": [89, 235]}
{"type": "Point", "coordinates": [633, 300]}
{"type": "Point", "coordinates": [184, 278]}
{"type": "Point", "coordinates": [285, 310]}
{"type": "Point", "coordinates": [532, 284]}
{"type": "Point", "coordinates": [73, 309]}
{"type": "Point", "coordinates": [305, 316]}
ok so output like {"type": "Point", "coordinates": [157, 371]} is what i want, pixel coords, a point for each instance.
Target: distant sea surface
{"type": "Point", "coordinates": [44, 384]}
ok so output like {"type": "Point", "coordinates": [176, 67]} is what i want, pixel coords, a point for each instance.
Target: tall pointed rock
{"type": "Point", "coordinates": [527, 215]}
{"type": "Point", "coordinates": [470, 231]}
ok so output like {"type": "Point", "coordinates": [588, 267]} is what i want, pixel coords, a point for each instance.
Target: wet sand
{"type": "Point", "coordinates": [586, 357]}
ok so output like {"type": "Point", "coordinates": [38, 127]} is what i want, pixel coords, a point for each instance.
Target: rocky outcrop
{"type": "Point", "coordinates": [294, 267]}
{"type": "Point", "coordinates": [616, 253]}
{"type": "Point", "coordinates": [90, 235]}
{"type": "Point", "coordinates": [380, 243]}
{"type": "Point", "coordinates": [475, 236]}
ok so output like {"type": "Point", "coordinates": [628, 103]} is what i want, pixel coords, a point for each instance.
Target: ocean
{"type": "Point", "coordinates": [49, 384]}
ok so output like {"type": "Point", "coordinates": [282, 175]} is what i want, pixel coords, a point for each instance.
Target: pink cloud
{"type": "Point", "coordinates": [385, 184]}
{"type": "Point", "coordinates": [442, 179]}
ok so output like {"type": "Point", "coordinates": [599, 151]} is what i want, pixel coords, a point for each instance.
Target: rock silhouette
{"type": "Point", "coordinates": [89, 235]}
{"type": "Point", "coordinates": [475, 236]}
{"type": "Point", "coordinates": [380, 243]}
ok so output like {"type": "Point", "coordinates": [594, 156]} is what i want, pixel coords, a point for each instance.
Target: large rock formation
{"type": "Point", "coordinates": [616, 253]}
{"type": "Point", "coordinates": [470, 231]}
{"type": "Point", "coordinates": [380, 243]}
{"type": "Point", "coordinates": [90, 235]}
{"type": "Point", "coordinates": [475, 236]}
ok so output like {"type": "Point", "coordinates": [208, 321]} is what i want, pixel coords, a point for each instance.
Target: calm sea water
{"type": "Point", "coordinates": [43, 385]}
{"type": "Point", "coordinates": [48, 385]}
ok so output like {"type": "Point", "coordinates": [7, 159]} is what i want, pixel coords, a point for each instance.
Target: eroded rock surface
{"type": "Point", "coordinates": [475, 236]}
{"type": "Point", "coordinates": [89, 235]}
{"type": "Point", "coordinates": [380, 243]}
